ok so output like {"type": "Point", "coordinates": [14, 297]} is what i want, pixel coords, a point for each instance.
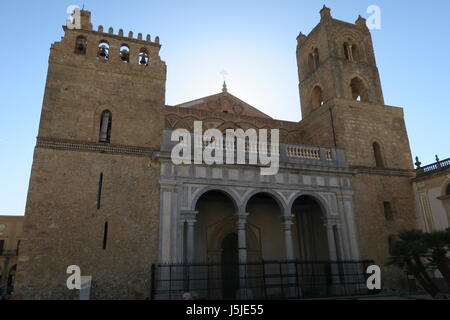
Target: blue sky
{"type": "Point", "coordinates": [254, 41]}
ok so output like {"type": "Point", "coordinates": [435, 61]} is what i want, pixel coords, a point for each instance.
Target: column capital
{"type": "Point", "coordinates": [241, 219]}
{"type": "Point", "coordinates": [242, 215]}
{"type": "Point", "coordinates": [189, 216]}
{"type": "Point", "coordinates": [330, 224]}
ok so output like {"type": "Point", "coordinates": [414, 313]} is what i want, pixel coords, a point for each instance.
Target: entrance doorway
{"type": "Point", "coordinates": [230, 266]}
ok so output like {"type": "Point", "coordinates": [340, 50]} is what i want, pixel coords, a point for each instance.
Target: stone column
{"type": "Point", "coordinates": [350, 52]}
{"type": "Point", "coordinates": [287, 229]}
{"type": "Point", "coordinates": [341, 246]}
{"type": "Point", "coordinates": [243, 293]}
{"type": "Point", "coordinates": [349, 217]}
{"type": "Point", "coordinates": [334, 268]}
{"type": "Point", "coordinates": [291, 267]}
{"type": "Point", "coordinates": [191, 219]}
{"type": "Point", "coordinates": [343, 230]}
{"type": "Point", "coordinates": [190, 240]}
{"type": "Point", "coordinates": [331, 242]}
{"type": "Point", "coordinates": [242, 236]}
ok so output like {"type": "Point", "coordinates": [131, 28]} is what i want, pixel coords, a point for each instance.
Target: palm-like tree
{"type": "Point", "coordinates": [438, 245]}
{"type": "Point", "coordinates": [407, 253]}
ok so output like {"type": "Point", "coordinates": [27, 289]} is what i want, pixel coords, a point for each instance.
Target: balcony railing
{"type": "Point", "coordinates": [435, 167]}
{"type": "Point", "coordinates": [287, 153]}
{"type": "Point", "coordinates": [261, 280]}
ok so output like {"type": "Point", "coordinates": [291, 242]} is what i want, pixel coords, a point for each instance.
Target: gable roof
{"type": "Point", "coordinates": [224, 102]}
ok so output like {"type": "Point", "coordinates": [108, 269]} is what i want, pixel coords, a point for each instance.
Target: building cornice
{"type": "Point", "coordinates": [80, 146]}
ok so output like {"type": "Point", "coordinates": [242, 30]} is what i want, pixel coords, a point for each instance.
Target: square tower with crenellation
{"type": "Point", "coordinates": [343, 106]}
{"type": "Point", "coordinates": [93, 198]}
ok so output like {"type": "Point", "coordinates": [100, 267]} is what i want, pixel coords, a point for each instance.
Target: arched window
{"type": "Point", "coordinates": [388, 213]}
{"type": "Point", "coordinates": [378, 155]}
{"type": "Point", "coordinates": [80, 45]}
{"type": "Point", "coordinates": [352, 51]}
{"type": "Point", "coordinates": [359, 90]}
{"type": "Point", "coordinates": [316, 58]}
{"type": "Point", "coordinates": [317, 97]}
{"type": "Point", "coordinates": [103, 50]}
{"type": "Point", "coordinates": [143, 57]}
{"type": "Point", "coordinates": [125, 54]}
{"type": "Point", "coordinates": [105, 127]}
{"type": "Point", "coordinates": [313, 60]}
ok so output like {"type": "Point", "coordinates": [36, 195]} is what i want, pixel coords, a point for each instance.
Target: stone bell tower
{"type": "Point", "coordinates": [93, 197]}
{"type": "Point", "coordinates": [343, 106]}
{"type": "Point", "coordinates": [333, 55]}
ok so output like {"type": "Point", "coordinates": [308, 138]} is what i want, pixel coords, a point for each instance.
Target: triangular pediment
{"type": "Point", "coordinates": [224, 102]}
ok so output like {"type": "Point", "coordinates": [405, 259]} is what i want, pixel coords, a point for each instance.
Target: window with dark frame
{"type": "Point", "coordinates": [388, 213]}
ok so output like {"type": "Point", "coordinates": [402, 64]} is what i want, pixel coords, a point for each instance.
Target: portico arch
{"type": "Point", "coordinates": [215, 219]}
{"type": "Point", "coordinates": [266, 212]}
{"type": "Point", "coordinates": [231, 194]}
{"type": "Point", "coordinates": [321, 201]}
{"type": "Point", "coordinates": [316, 235]}
{"type": "Point", "coordinates": [273, 194]}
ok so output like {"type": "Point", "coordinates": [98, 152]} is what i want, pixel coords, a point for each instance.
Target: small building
{"type": "Point", "coordinates": [432, 190]}
{"type": "Point", "coordinates": [10, 237]}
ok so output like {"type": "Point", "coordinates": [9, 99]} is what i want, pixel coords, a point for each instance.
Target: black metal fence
{"type": "Point", "coordinates": [261, 280]}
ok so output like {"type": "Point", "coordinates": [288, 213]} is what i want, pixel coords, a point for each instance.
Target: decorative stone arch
{"type": "Point", "coordinates": [221, 229]}
{"type": "Point", "coordinates": [358, 86]}
{"type": "Point", "coordinates": [316, 95]}
{"type": "Point", "coordinates": [228, 125]}
{"type": "Point", "coordinates": [81, 45]}
{"type": "Point", "coordinates": [230, 193]}
{"type": "Point", "coordinates": [104, 50]}
{"type": "Point", "coordinates": [273, 194]}
{"type": "Point", "coordinates": [310, 60]}
{"type": "Point", "coordinates": [377, 157]}
{"type": "Point", "coordinates": [143, 57]}
{"type": "Point", "coordinates": [445, 189]}
{"type": "Point", "coordinates": [96, 116]}
{"type": "Point", "coordinates": [322, 202]}
{"type": "Point", "coordinates": [125, 53]}
{"type": "Point", "coordinates": [358, 52]}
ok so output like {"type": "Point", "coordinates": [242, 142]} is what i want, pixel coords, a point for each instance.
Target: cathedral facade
{"type": "Point", "coordinates": [105, 194]}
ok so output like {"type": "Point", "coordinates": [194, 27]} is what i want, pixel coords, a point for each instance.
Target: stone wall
{"type": "Point", "coordinates": [64, 227]}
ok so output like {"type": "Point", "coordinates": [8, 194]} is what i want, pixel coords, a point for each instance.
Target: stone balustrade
{"type": "Point", "coordinates": [288, 153]}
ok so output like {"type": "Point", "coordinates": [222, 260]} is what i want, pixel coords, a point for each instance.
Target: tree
{"type": "Point", "coordinates": [438, 245]}
{"type": "Point", "coordinates": [408, 253]}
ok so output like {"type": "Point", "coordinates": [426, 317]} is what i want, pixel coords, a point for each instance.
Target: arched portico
{"type": "Point", "coordinates": [277, 197]}
{"type": "Point", "coordinates": [229, 192]}
{"type": "Point", "coordinates": [296, 227]}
